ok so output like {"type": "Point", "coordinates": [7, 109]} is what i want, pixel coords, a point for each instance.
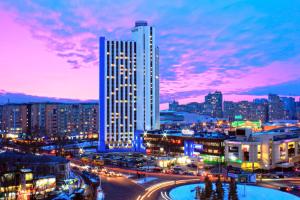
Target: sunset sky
{"type": "Point", "coordinates": [245, 49]}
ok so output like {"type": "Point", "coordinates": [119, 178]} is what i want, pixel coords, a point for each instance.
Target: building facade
{"type": "Point", "coordinates": [276, 107]}
{"type": "Point", "coordinates": [129, 87]}
{"type": "Point", "coordinates": [208, 146]}
{"type": "Point", "coordinates": [264, 150]}
{"type": "Point", "coordinates": [289, 106]}
{"type": "Point", "coordinates": [49, 119]}
{"type": "Point", "coordinates": [16, 118]}
{"type": "Point", "coordinates": [213, 105]}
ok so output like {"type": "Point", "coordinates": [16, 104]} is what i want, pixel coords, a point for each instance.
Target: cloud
{"type": "Point", "coordinates": [11, 97]}
{"type": "Point", "coordinates": [232, 46]}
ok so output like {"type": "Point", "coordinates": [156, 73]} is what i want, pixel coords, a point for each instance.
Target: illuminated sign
{"type": "Point", "coordinates": [238, 117]}
{"type": "Point", "coordinates": [187, 132]}
{"type": "Point", "coordinates": [198, 146]}
{"type": "Point", "coordinates": [246, 124]}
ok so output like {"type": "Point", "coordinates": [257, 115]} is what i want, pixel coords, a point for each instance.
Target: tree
{"type": "Point", "coordinates": [202, 194]}
{"type": "Point", "coordinates": [198, 193]}
{"type": "Point", "coordinates": [208, 188]}
{"type": "Point", "coordinates": [215, 196]}
{"type": "Point", "coordinates": [219, 189]}
{"type": "Point", "coordinates": [232, 194]}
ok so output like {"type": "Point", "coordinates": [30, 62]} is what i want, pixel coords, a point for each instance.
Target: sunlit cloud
{"type": "Point", "coordinates": [230, 46]}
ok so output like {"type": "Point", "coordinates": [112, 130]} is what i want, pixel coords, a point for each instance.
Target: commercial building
{"type": "Point", "coordinates": [40, 166]}
{"type": "Point", "coordinates": [129, 87]}
{"type": "Point", "coordinates": [22, 184]}
{"type": "Point", "coordinates": [208, 146]}
{"type": "Point", "coordinates": [264, 150]}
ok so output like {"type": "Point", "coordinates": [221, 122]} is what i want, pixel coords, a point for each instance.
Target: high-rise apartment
{"type": "Point", "coordinates": [213, 105]}
{"type": "Point", "coordinates": [276, 107]}
{"type": "Point", "coordinates": [289, 105]}
{"type": "Point", "coordinates": [129, 87]}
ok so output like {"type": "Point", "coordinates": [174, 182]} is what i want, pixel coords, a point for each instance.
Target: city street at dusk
{"type": "Point", "coordinates": [149, 100]}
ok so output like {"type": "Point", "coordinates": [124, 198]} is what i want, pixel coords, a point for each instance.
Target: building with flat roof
{"type": "Point", "coordinates": [129, 87]}
{"type": "Point", "coordinates": [213, 105]}
{"type": "Point", "coordinates": [42, 165]}
{"type": "Point", "coordinates": [185, 142]}
{"type": "Point", "coordinates": [264, 150]}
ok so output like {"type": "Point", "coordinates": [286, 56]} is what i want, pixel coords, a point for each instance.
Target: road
{"type": "Point", "coordinates": [283, 182]}
{"type": "Point", "coordinates": [120, 188]}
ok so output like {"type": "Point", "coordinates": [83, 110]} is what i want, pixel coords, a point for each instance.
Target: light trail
{"type": "Point", "coordinates": [165, 196]}
{"type": "Point", "coordinates": [159, 186]}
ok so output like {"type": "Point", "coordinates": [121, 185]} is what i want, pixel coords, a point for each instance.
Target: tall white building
{"type": "Point", "coordinates": [129, 87]}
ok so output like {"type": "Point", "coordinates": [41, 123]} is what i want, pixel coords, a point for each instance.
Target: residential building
{"type": "Point", "coordinates": [88, 117]}
{"type": "Point", "coordinates": [289, 106]}
{"type": "Point", "coordinates": [230, 110]}
{"type": "Point", "coordinates": [50, 119]}
{"type": "Point", "coordinates": [298, 110]}
{"type": "Point", "coordinates": [243, 109]}
{"type": "Point", "coordinates": [276, 107]}
{"type": "Point", "coordinates": [1, 120]}
{"type": "Point", "coordinates": [213, 105]}
{"type": "Point", "coordinates": [259, 111]}
{"type": "Point", "coordinates": [16, 118]}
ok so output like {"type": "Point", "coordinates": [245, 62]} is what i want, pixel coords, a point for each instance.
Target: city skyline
{"type": "Point", "coordinates": [146, 100]}
{"type": "Point", "coordinates": [245, 57]}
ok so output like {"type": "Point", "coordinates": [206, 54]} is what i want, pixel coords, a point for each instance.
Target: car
{"type": "Point", "coordinates": [119, 174]}
{"type": "Point", "coordinates": [192, 165]}
{"type": "Point", "coordinates": [188, 173]}
{"type": "Point", "coordinates": [285, 188]}
{"type": "Point", "coordinates": [295, 187]}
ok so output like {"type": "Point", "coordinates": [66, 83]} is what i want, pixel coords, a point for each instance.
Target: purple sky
{"type": "Point", "coordinates": [245, 49]}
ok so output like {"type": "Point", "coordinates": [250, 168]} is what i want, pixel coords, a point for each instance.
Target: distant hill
{"type": "Point", "coordinates": [6, 97]}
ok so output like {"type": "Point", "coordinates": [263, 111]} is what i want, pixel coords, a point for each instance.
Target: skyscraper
{"type": "Point", "coordinates": [289, 105]}
{"type": "Point", "coordinates": [129, 87]}
{"type": "Point", "coordinates": [230, 110]}
{"type": "Point", "coordinates": [213, 105]}
{"type": "Point", "coordinates": [173, 105]}
{"type": "Point", "coordinates": [276, 107]}
{"type": "Point", "coordinates": [147, 61]}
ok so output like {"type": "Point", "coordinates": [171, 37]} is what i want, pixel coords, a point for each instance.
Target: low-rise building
{"type": "Point", "coordinates": [22, 184]}
{"type": "Point", "coordinates": [264, 150]}
{"type": "Point", "coordinates": [209, 146]}
{"type": "Point", "coordinates": [42, 165]}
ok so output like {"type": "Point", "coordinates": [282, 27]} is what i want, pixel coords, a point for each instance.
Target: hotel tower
{"type": "Point", "coordinates": [129, 88]}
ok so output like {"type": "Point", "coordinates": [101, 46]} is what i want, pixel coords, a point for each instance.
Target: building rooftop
{"type": "Point", "coordinates": [141, 23]}
{"type": "Point", "coordinates": [13, 157]}
{"type": "Point", "coordinates": [178, 133]}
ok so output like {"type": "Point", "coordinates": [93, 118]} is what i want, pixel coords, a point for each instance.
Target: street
{"type": "Point", "coordinates": [120, 188]}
